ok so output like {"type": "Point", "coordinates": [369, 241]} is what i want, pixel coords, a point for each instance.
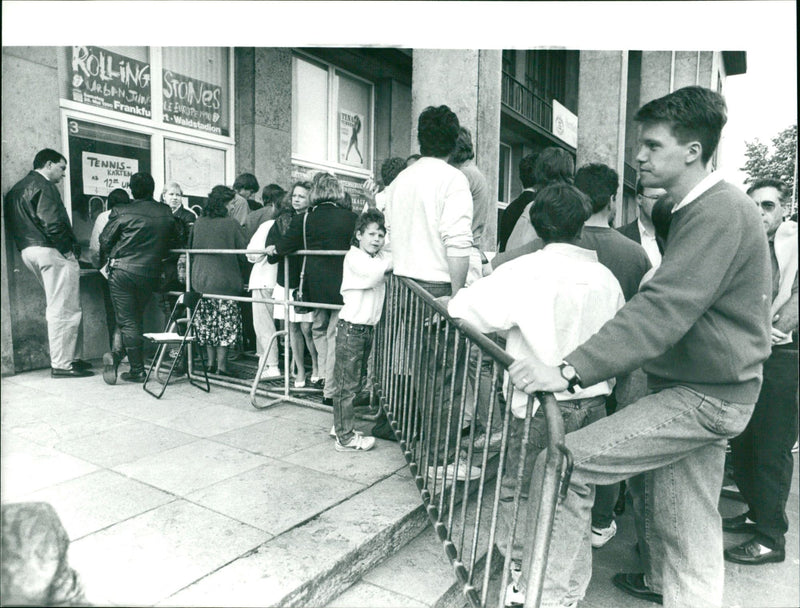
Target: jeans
{"type": "Point", "coordinates": [762, 454]}
{"type": "Point", "coordinates": [130, 293]}
{"type": "Point", "coordinates": [678, 437]}
{"type": "Point", "coordinates": [484, 394]}
{"type": "Point", "coordinates": [59, 276]}
{"type": "Point", "coordinates": [323, 332]}
{"type": "Point", "coordinates": [353, 343]}
{"type": "Point", "coordinates": [576, 414]}
{"type": "Point", "coordinates": [265, 326]}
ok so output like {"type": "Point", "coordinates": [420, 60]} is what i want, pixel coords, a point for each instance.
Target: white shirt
{"type": "Point", "coordinates": [710, 180]}
{"type": "Point", "coordinates": [649, 244]}
{"type": "Point", "coordinates": [429, 218]}
{"type": "Point", "coordinates": [364, 286]}
{"type": "Point", "coordinates": [550, 301]}
{"type": "Point", "coordinates": [263, 275]}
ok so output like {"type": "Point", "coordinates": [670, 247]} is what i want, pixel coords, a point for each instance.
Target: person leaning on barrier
{"type": "Point", "coordinates": [700, 327]}
{"type": "Point", "coordinates": [549, 302]}
{"type": "Point", "coordinates": [38, 222]}
{"type": "Point", "coordinates": [136, 239]}
{"type": "Point", "coordinates": [762, 454]}
{"type": "Point", "coordinates": [327, 225]}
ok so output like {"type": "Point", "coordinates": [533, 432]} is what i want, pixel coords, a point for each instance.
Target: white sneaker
{"type": "Point", "coordinates": [600, 536]}
{"type": "Point", "coordinates": [795, 447]}
{"type": "Point", "coordinates": [271, 372]}
{"type": "Point", "coordinates": [357, 443]}
{"type": "Point", "coordinates": [514, 597]}
{"type": "Point", "coordinates": [465, 470]}
{"type": "Point", "coordinates": [333, 431]}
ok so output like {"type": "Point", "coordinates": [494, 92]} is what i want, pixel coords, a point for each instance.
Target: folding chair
{"type": "Point", "coordinates": [187, 303]}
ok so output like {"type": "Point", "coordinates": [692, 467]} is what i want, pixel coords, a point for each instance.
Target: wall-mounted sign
{"type": "Point", "coordinates": [350, 139]}
{"type": "Point", "coordinates": [565, 124]}
{"type": "Point", "coordinates": [103, 173]}
{"type": "Point", "coordinates": [351, 185]}
{"type": "Point", "coordinates": [109, 80]}
{"type": "Point", "coordinates": [197, 169]}
{"type": "Point", "coordinates": [192, 103]}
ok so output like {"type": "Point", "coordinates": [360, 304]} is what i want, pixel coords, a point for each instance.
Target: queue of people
{"type": "Point", "coordinates": [661, 340]}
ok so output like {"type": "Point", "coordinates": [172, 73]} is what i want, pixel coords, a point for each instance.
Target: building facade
{"type": "Point", "coordinates": [202, 115]}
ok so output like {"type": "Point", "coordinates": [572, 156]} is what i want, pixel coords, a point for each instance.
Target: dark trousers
{"type": "Point", "coordinates": [353, 343]}
{"type": "Point", "coordinates": [130, 294]}
{"type": "Point", "coordinates": [762, 454]}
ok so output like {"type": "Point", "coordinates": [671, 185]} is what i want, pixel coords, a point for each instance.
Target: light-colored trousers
{"type": "Point", "coordinates": [59, 276]}
{"type": "Point", "coordinates": [264, 325]}
{"type": "Point", "coordinates": [323, 332]}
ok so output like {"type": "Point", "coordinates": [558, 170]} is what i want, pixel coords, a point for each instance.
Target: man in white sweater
{"type": "Point", "coordinates": [549, 302]}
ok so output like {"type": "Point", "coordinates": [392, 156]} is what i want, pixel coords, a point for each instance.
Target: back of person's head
{"type": "Point", "coordinates": [692, 113]}
{"type": "Point", "coordinates": [770, 182]}
{"type": "Point", "coordinates": [217, 201]}
{"type": "Point", "coordinates": [118, 196]}
{"type": "Point", "coordinates": [558, 212]}
{"type": "Point", "coordinates": [599, 182]}
{"type": "Point", "coordinates": [47, 156]}
{"type": "Point", "coordinates": [553, 165]}
{"type": "Point", "coordinates": [391, 168]}
{"type": "Point", "coordinates": [246, 181]}
{"type": "Point", "coordinates": [272, 194]}
{"type": "Point", "coordinates": [463, 150]}
{"type": "Point", "coordinates": [526, 175]}
{"type": "Point", "coordinates": [412, 158]}
{"type": "Point", "coordinates": [437, 130]}
{"type": "Point", "coordinates": [142, 185]}
{"type": "Point", "coordinates": [326, 188]}
{"type": "Point", "coordinates": [661, 215]}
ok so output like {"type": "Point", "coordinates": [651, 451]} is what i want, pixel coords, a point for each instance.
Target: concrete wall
{"type": "Point", "coordinates": [30, 122]}
{"type": "Point", "coordinates": [468, 81]}
{"type": "Point", "coordinates": [656, 70]}
{"type": "Point", "coordinates": [263, 85]}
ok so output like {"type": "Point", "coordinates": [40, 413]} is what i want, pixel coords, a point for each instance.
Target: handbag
{"type": "Point", "coordinates": [297, 294]}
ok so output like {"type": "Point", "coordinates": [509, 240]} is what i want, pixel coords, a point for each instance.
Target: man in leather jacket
{"type": "Point", "coordinates": [39, 224]}
{"type": "Point", "coordinates": [135, 240]}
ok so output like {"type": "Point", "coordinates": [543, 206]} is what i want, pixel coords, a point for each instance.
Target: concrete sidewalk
{"type": "Point", "coordinates": [198, 499]}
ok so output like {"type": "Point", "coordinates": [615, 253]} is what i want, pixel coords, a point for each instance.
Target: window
{"type": "Point", "coordinates": [332, 116]}
{"type": "Point", "coordinates": [101, 159]}
{"type": "Point", "coordinates": [504, 174]}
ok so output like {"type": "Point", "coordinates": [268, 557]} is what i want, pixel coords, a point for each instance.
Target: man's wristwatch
{"type": "Point", "coordinates": [570, 375]}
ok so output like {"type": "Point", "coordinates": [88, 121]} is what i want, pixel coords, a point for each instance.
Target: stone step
{"type": "Point", "coordinates": [311, 563]}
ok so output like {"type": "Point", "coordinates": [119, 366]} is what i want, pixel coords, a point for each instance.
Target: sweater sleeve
{"type": "Point", "coordinates": [693, 272]}
{"type": "Point", "coordinates": [363, 271]}
{"type": "Point", "coordinates": [455, 222]}
{"type": "Point", "coordinates": [293, 239]}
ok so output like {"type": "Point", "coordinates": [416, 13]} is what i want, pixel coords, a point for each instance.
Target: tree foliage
{"type": "Point", "coordinates": [776, 161]}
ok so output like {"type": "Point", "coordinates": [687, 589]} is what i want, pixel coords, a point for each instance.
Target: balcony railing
{"type": "Point", "coordinates": [525, 102]}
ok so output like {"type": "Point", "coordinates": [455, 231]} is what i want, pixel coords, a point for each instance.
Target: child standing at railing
{"type": "Point", "coordinates": [363, 290]}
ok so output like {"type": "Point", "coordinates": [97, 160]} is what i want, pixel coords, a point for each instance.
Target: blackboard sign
{"type": "Point", "coordinates": [193, 103]}
{"type": "Point", "coordinates": [109, 80]}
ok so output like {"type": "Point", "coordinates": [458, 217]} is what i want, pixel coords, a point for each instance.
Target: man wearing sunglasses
{"type": "Point", "coordinates": [762, 458]}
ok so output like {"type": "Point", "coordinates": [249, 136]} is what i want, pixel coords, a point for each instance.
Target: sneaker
{"type": "Point", "coordinates": [514, 597]}
{"type": "Point", "coordinates": [271, 372]}
{"type": "Point", "coordinates": [795, 447]}
{"type": "Point", "coordinates": [465, 470]}
{"type": "Point", "coordinates": [357, 443]}
{"type": "Point", "coordinates": [333, 431]}
{"type": "Point", "coordinates": [299, 383]}
{"type": "Point", "coordinates": [600, 536]}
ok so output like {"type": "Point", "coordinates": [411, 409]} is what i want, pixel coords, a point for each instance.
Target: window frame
{"type": "Point", "coordinates": [333, 122]}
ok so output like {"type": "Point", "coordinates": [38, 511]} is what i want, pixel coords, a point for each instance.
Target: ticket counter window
{"type": "Point", "coordinates": [101, 159]}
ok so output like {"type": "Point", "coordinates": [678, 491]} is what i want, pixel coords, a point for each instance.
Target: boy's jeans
{"type": "Point", "coordinates": [353, 344]}
{"type": "Point", "coordinates": [678, 437]}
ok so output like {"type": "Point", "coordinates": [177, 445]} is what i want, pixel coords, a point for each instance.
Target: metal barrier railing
{"type": "Point", "coordinates": [437, 380]}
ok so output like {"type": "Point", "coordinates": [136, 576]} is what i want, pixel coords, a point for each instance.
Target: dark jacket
{"type": "Point", "coordinates": [139, 235]}
{"type": "Point", "coordinates": [217, 273]}
{"type": "Point", "coordinates": [35, 215]}
{"type": "Point", "coordinates": [328, 227]}
{"type": "Point", "coordinates": [274, 236]}
{"type": "Point", "coordinates": [510, 216]}
{"type": "Point", "coordinates": [632, 232]}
